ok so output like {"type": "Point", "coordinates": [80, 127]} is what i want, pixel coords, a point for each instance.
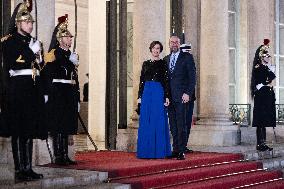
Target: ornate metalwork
{"type": "Point", "coordinates": [240, 114]}
{"type": "Point", "coordinates": [280, 113]}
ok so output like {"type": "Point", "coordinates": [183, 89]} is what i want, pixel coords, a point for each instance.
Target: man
{"type": "Point", "coordinates": [182, 78]}
{"type": "Point", "coordinates": [24, 98]}
{"type": "Point", "coordinates": [62, 91]}
{"type": "Point", "coordinates": [86, 90]}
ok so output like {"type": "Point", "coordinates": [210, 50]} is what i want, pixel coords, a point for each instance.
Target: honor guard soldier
{"type": "Point", "coordinates": [25, 99]}
{"type": "Point", "coordinates": [262, 92]}
{"type": "Point", "coordinates": [62, 92]}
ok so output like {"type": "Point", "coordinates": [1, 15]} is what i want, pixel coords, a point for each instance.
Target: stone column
{"type": "Point", "coordinates": [149, 24]}
{"type": "Point", "coordinates": [97, 71]}
{"type": "Point", "coordinates": [244, 80]}
{"type": "Point", "coordinates": [260, 26]}
{"type": "Point", "coordinates": [191, 13]}
{"type": "Point", "coordinates": [214, 127]}
{"type": "Point", "coordinates": [122, 64]}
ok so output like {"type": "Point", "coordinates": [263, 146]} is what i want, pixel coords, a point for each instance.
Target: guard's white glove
{"type": "Point", "coordinates": [35, 46]}
{"type": "Point", "coordinates": [74, 58]}
{"type": "Point", "coordinates": [271, 68]}
{"type": "Point", "coordinates": [258, 86]}
{"type": "Point", "coordinates": [12, 73]}
{"type": "Point", "coordinates": [45, 98]}
{"type": "Point", "coordinates": [78, 106]}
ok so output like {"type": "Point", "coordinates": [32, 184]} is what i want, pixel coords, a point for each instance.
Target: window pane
{"type": "Point", "coordinates": [232, 29]}
{"type": "Point", "coordinates": [281, 11]}
{"type": "Point", "coordinates": [232, 66]}
{"type": "Point", "coordinates": [281, 42]}
{"type": "Point", "coordinates": [232, 5]}
{"type": "Point", "coordinates": [232, 95]}
{"type": "Point", "coordinates": [281, 72]}
{"type": "Point", "coordinates": [281, 96]}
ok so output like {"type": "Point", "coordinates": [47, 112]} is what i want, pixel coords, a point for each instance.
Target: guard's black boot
{"type": "Point", "coordinates": [66, 158]}
{"type": "Point", "coordinates": [30, 171]}
{"type": "Point", "coordinates": [263, 147]}
{"type": "Point", "coordinates": [19, 176]}
{"type": "Point", "coordinates": [17, 150]}
{"type": "Point", "coordinates": [58, 148]}
{"type": "Point", "coordinates": [260, 138]}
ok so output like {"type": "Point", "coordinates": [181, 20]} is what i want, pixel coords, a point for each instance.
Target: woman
{"type": "Point", "coordinates": [62, 94]}
{"type": "Point", "coordinates": [153, 133]}
{"type": "Point", "coordinates": [264, 113]}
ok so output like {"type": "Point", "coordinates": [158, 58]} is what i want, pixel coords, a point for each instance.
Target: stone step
{"type": "Point", "coordinates": [53, 178]}
{"type": "Point", "coordinates": [104, 186]}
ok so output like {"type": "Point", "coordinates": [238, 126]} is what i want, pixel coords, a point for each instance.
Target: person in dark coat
{"type": "Point", "coordinates": [25, 101]}
{"type": "Point", "coordinates": [86, 90]}
{"type": "Point", "coordinates": [182, 79]}
{"type": "Point", "coordinates": [264, 112]}
{"type": "Point", "coordinates": [62, 93]}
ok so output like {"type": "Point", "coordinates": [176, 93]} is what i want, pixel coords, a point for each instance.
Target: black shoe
{"type": "Point", "coordinates": [70, 162]}
{"type": "Point", "coordinates": [21, 176]}
{"type": "Point", "coordinates": [34, 175]}
{"type": "Point", "coordinates": [60, 161]}
{"type": "Point", "coordinates": [263, 148]}
{"type": "Point", "coordinates": [174, 155]}
{"type": "Point", "coordinates": [181, 156]}
{"type": "Point", "coordinates": [187, 151]}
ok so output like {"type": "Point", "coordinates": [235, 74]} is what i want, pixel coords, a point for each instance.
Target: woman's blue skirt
{"type": "Point", "coordinates": [153, 132]}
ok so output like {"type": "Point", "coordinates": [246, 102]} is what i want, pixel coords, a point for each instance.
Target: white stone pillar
{"type": "Point", "coordinates": [150, 21]}
{"type": "Point", "coordinates": [97, 71]}
{"type": "Point", "coordinates": [243, 84]}
{"type": "Point", "coordinates": [260, 26]}
{"type": "Point", "coordinates": [149, 24]}
{"type": "Point", "coordinates": [214, 127]}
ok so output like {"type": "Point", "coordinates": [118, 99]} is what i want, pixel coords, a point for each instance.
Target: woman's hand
{"type": "Point", "coordinates": [167, 103]}
{"type": "Point", "coordinates": [139, 100]}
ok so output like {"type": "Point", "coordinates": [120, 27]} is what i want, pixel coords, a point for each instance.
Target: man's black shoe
{"type": "Point", "coordinates": [263, 148]}
{"type": "Point", "coordinates": [34, 175]}
{"type": "Point", "coordinates": [21, 176]}
{"type": "Point", "coordinates": [181, 156]}
{"type": "Point", "coordinates": [174, 155]}
{"type": "Point", "coordinates": [187, 150]}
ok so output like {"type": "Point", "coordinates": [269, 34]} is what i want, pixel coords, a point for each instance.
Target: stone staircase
{"type": "Point", "coordinates": [58, 178]}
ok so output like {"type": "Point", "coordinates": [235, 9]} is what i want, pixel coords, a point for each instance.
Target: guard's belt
{"type": "Point", "coordinates": [22, 72]}
{"type": "Point", "coordinates": [63, 81]}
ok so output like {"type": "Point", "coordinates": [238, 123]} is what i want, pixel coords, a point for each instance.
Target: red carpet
{"type": "Point", "coordinates": [200, 170]}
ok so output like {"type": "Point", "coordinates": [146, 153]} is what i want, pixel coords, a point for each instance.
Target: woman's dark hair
{"type": "Point", "coordinates": [256, 61]}
{"type": "Point", "coordinates": [155, 43]}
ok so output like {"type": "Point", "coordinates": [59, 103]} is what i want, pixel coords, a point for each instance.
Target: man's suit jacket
{"type": "Point", "coordinates": [183, 78]}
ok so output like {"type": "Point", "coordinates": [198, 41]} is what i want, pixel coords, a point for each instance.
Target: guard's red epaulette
{"type": "Point", "coordinates": [6, 37]}
{"type": "Point", "coordinates": [49, 57]}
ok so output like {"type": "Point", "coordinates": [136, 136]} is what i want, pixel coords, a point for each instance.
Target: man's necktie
{"type": "Point", "coordinates": [172, 64]}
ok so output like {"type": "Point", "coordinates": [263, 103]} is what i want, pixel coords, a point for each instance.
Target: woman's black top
{"type": "Point", "coordinates": [154, 70]}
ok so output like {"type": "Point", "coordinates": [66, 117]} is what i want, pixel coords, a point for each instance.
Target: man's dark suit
{"type": "Point", "coordinates": [182, 80]}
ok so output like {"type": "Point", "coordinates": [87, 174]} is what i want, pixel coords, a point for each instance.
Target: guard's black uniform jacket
{"type": "Point", "coordinates": [24, 95]}
{"type": "Point", "coordinates": [264, 112]}
{"type": "Point", "coordinates": [63, 93]}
